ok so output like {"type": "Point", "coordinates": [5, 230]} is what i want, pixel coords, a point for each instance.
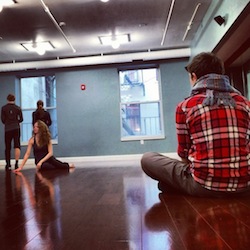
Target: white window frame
{"type": "Point", "coordinates": [31, 109]}
{"type": "Point", "coordinates": [142, 137]}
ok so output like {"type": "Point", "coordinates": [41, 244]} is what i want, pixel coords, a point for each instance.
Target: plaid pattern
{"type": "Point", "coordinates": [215, 82]}
{"type": "Point", "coordinates": [217, 141]}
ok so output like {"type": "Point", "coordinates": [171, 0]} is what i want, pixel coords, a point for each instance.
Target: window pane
{"type": "Point", "coordinates": [53, 127]}
{"type": "Point", "coordinates": [32, 90]}
{"type": "Point", "coordinates": [140, 104]}
{"type": "Point", "coordinates": [139, 85]}
{"type": "Point", "coordinates": [38, 88]}
{"type": "Point", "coordinates": [141, 119]}
{"type": "Point", "coordinates": [26, 125]}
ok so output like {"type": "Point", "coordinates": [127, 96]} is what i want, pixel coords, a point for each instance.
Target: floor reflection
{"type": "Point", "coordinates": [133, 200]}
{"type": "Point", "coordinates": [228, 220]}
{"type": "Point", "coordinates": [137, 200]}
{"type": "Point", "coordinates": [196, 221]}
{"type": "Point", "coordinates": [158, 234]}
{"type": "Point", "coordinates": [42, 205]}
{"type": "Point", "coordinates": [11, 217]}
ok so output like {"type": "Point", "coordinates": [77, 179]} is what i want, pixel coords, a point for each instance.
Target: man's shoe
{"type": "Point", "coordinates": [162, 187]}
{"type": "Point", "coordinates": [167, 189]}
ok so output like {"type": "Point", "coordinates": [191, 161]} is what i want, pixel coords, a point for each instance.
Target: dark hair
{"type": "Point", "coordinates": [40, 111]}
{"type": "Point", "coordinates": [11, 98]}
{"type": "Point", "coordinates": [205, 63]}
{"type": "Point", "coordinates": [39, 104]}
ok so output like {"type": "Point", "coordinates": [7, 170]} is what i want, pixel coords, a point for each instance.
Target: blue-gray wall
{"type": "Point", "coordinates": [210, 33]}
{"type": "Point", "coordinates": [89, 121]}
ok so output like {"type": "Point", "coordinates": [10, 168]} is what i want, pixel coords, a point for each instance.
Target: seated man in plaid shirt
{"type": "Point", "coordinates": [213, 132]}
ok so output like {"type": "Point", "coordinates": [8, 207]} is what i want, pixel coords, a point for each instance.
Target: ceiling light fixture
{"type": "Point", "coordinates": [115, 41]}
{"type": "Point", "coordinates": [104, 1]}
{"type": "Point", "coordinates": [115, 44]}
{"type": "Point", "coordinates": [4, 3]}
{"type": "Point", "coordinates": [39, 47]}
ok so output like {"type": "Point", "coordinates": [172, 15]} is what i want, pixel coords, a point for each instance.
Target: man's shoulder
{"type": "Point", "coordinates": [4, 106]}
{"type": "Point", "coordinates": [16, 107]}
{"type": "Point", "coordinates": [240, 98]}
{"type": "Point", "coordinates": [192, 100]}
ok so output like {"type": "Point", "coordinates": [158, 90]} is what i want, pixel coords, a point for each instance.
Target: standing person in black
{"type": "Point", "coordinates": [41, 114]}
{"type": "Point", "coordinates": [11, 116]}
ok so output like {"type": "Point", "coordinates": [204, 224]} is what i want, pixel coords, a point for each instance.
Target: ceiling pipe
{"type": "Point", "coordinates": [96, 60]}
{"type": "Point", "coordinates": [191, 21]}
{"type": "Point", "coordinates": [46, 9]}
{"type": "Point", "coordinates": [167, 22]}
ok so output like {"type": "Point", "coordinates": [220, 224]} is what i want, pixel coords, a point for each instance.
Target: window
{"type": "Point", "coordinates": [33, 89]}
{"type": "Point", "coordinates": [140, 102]}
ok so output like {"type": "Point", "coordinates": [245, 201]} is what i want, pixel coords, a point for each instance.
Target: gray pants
{"type": "Point", "coordinates": [173, 174]}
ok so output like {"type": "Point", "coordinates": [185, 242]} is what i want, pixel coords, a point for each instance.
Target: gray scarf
{"type": "Point", "coordinates": [217, 88]}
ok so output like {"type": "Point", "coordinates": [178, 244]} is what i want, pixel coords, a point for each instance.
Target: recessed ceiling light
{"type": "Point", "coordinates": [38, 47]}
{"type": "Point", "coordinates": [104, 1]}
{"type": "Point", "coordinates": [114, 40]}
{"type": "Point", "coordinates": [115, 44]}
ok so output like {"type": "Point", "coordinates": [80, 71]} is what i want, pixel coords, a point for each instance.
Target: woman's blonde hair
{"type": "Point", "coordinates": [44, 134]}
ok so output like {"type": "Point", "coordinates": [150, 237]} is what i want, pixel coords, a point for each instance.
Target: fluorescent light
{"type": "Point", "coordinates": [114, 40]}
{"type": "Point", "coordinates": [5, 3]}
{"type": "Point", "coordinates": [115, 44]}
{"type": "Point", "coordinates": [104, 1]}
{"type": "Point", "coordinates": [38, 47]}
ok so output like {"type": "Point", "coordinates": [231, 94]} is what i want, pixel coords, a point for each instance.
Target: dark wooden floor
{"type": "Point", "coordinates": [113, 208]}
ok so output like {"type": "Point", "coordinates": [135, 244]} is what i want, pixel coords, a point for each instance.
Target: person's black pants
{"type": "Point", "coordinates": [53, 163]}
{"type": "Point", "coordinates": [9, 136]}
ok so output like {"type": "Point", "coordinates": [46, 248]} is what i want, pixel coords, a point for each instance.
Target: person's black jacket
{"type": "Point", "coordinates": [11, 116]}
{"type": "Point", "coordinates": [43, 115]}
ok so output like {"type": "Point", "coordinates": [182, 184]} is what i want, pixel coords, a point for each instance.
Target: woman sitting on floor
{"type": "Point", "coordinates": [43, 150]}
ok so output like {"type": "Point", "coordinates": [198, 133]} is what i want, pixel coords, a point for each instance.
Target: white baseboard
{"type": "Point", "coordinates": [95, 160]}
{"type": "Point", "coordinates": [132, 157]}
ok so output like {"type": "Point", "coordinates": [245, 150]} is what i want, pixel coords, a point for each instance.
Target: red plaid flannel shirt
{"type": "Point", "coordinates": [217, 141]}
